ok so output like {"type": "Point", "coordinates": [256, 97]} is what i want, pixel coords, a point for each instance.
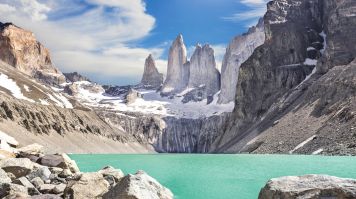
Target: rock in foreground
{"type": "Point", "coordinates": [138, 186]}
{"type": "Point", "coordinates": [309, 187]}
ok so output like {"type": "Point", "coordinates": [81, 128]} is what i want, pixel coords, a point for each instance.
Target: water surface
{"type": "Point", "coordinates": [196, 176]}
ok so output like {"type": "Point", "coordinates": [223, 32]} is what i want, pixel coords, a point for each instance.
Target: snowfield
{"type": "Point", "coordinates": [152, 103]}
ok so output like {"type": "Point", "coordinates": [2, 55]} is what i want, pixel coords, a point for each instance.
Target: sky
{"type": "Point", "coordinates": [108, 40]}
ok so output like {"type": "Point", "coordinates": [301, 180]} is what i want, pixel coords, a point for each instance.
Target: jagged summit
{"type": "Point", "coordinates": [203, 70]}
{"type": "Point", "coordinates": [151, 78]}
{"type": "Point", "coordinates": [177, 70]}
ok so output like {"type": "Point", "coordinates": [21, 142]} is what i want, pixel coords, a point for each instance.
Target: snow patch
{"type": "Point", "coordinates": [310, 62]}
{"type": "Point", "coordinates": [302, 144]}
{"type": "Point", "coordinates": [317, 152]}
{"type": "Point", "coordinates": [11, 85]}
{"type": "Point", "coordinates": [6, 141]}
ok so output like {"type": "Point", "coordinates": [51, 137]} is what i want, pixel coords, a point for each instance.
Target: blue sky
{"type": "Point", "coordinates": [108, 40]}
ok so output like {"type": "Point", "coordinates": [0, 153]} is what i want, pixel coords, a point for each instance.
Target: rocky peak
{"type": "Point", "coordinates": [75, 77]}
{"type": "Point", "coordinates": [202, 70]}
{"type": "Point", "coordinates": [151, 78]}
{"type": "Point", "coordinates": [238, 51]}
{"type": "Point", "coordinates": [20, 49]}
{"type": "Point", "coordinates": [177, 69]}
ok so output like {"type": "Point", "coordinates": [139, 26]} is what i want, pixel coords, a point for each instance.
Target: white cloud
{"type": "Point", "coordinates": [257, 8]}
{"type": "Point", "coordinates": [94, 41]}
{"type": "Point", "coordinates": [5, 8]}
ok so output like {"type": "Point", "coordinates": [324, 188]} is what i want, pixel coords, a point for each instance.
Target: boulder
{"type": "Point", "coordinates": [24, 182]}
{"type": "Point", "coordinates": [6, 154]}
{"type": "Point", "coordinates": [41, 172]}
{"type": "Point", "coordinates": [17, 166]}
{"type": "Point", "coordinates": [90, 185]}
{"type": "Point", "coordinates": [4, 178]}
{"type": "Point", "coordinates": [31, 150]}
{"type": "Point", "coordinates": [11, 190]}
{"type": "Point", "coordinates": [46, 196]}
{"type": "Point", "coordinates": [309, 186]}
{"type": "Point", "coordinates": [37, 182]}
{"type": "Point", "coordinates": [132, 95]}
{"type": "Point", "coordinates": [62, 161]}
{"type": "Point", "coordinates": [59, 188]}
{"type": "Point", "coordinates": [111, 174]}
{"type": "Point", "coordinates": [46, 188]}
{"type": "Point", "coordinates": [138, 186]}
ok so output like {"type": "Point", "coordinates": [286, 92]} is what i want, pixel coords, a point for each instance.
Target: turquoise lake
{"type": "Point", "coordinates": [191, 176]}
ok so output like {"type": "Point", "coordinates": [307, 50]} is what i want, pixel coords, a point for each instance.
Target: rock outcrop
{"type": "Point", "coordinates": [20, 49]}
{"type": "Point", "coordinates": [309, 186]}
{"type": "Point", "coordinates": [151, 78]}
{"type": "Point", "coordinates": [177, 70]}
{"type": "Point", "coordinates": [282, 69]}
{"type": "Point", "coordinates": [238, 51]}
{"type": "Point", "coordinates": [138, 186]}
{"type": "Point", "coordinates": [202, 70]}
{"type": "Point", "coordinates": [75, 77]}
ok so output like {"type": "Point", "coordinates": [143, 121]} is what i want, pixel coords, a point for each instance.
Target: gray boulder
{"type": "Point", "coordinates": [11, 190]}
{"type": "Point", "coordinates": [17, 166]}
{"type": "Point", "coordinates": [309, 187]}
{"type": "Point", "coordinates": [46, 196]}
{"type": "Point", "coordinates": [4, 178]}
{"type": "Point", "coordinates": [62, 161]}
{"type": "Point", "coordinates": [42, 172]}
{"type": "Point", "coordinates": [111, 174]}
{"type": "Point", "coordinates": [138, 186]}
{"type": "Point", "coordinates": [31, 150]}
{"type": "Point", "coordinates": [90, 185]}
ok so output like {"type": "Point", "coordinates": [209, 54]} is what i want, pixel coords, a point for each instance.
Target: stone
{"type": "Point", "coordinates": [4, 178]}
{"type": "Point", "coordinates": [62, 161]}
{"type": "Point", "coordinates": [111, 174]}
{"type": "Point", "coordinates": [4, 154]}
{"type": "Point", "coordinates": [132, 95]}
{"type": "Point", "coordinates": [138, 186]}
{"type": "Point", "coordinates": [90, 185]}
{"type": "Point", "coordinates": [309, 186]}
{"type": "Point", "coordinates": [238, 51]}
{"type": "Point", "coordinates": [20, 49]}
{"type": "Point", "coordinates": [24, 182]}
{"type": "Point", "coordinates": [42, 172]}
{"type": "Point", "coordinates": [177, 69]}
{"type": "Point", "coordinates": [17, 166]}
{"type": "Point", "coordinates": [151, 78]}
{"type": "Point", "coordinates": [56, 170]}
{"type": "Point", "coordinates": [37, 182]}
{"type": "Point", "coordinates": [31, 150]}
{"type": "Point", "coordinates": [202, 70]}
{"type": "Point", "coordinates": [10, 189]}
{"type": "Point", "coordinates": [46, 188]}
{"type": "Point", "coordinates": [59, 188]}
{"type": "Point", "coordinates": [46, 196]}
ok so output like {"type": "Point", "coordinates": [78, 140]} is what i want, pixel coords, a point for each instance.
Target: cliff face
{"type": "Point", "coordinates": [20, 49]}
{"type": "Point", "coordinates": [238, 51]}
{"type": "Point", "coordinates": [203, 70]}
{"type": "Point", "coordinates": [151, 78]}
{"type": "Point", "coordinates": [177, 69]}
{"type": "Point", "coordinates": [277, 74]}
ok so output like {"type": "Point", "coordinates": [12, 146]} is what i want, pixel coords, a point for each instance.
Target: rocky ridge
{"type": "Point", "coordinates": [275, 84]}
{"type": "Point", "coordinates": [20, 49]}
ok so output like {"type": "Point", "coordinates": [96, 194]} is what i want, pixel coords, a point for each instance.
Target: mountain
{"type": "Point", "coordinates": [291, 80]}
{"type": "Point", "coordinates": [177, 70]}
{"type": "Point", "coordinates": [289, 100]}
{"type": "Point", "coordinates": [75, 77]}
{"type": "Point", "coordinates": [238, 51]}
{"type": "Point", "coordinates": [20, 49]}
{"type": "Point", "coordinates": [151, 78]}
